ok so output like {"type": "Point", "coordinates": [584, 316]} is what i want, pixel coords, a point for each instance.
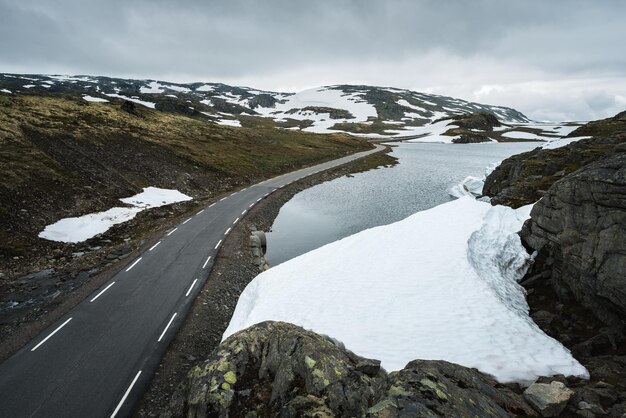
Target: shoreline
{"type": "Point", "coordinates": [232, 271]}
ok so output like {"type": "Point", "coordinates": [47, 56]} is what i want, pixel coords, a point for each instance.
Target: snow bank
{"type": "Point", "coordinates": [433, 132]}
{"type": "Point", "coordinates": [416, 290]}
{"type": "Point", "coordinates": [87, 226]}
{"type": "Point", "coordinates": [472, 186]}
{"type": "Point", "coordinates": [6, 91]}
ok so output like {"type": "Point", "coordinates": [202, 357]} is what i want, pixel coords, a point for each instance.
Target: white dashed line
{"type": "Point", "coordinates": [134, 264]}
{"type": "Point", "coordinates": [104, 290]}
{"type": "Point", "coordinates": [244, 212]}
{"type": "Point", "coordinates": [154, 246]}
{"type": "Point", "coordinates": [218, 244]}
{"type": "Point", "coordinates": [259, 199]}
{"type": "Point", "coordinates": [172, 231]}
{"type": "Point", "coordinates": [201, 211]}
{"type": "Point", "coordinates": [235, 221]}
{"type": "Point", "coordinates": [51, 334]}
{"type": "Point", "coordinates": [212, 204]}
{"type": "Point", "coordinates": [191, 287]}
{"type": "Point", "coordinates": [186, 221]}
{"type": "Point", "coordinates": [243, 190]}
{"type": "Point", "coordinates": [119, 405]}
{"type": "Point", "coordinates": [227, 231]}
{"type": "Point", "coordinates": [166, 327]}
{"type": "Point", "coordinates": [224, 198]}
{"type": "Point", "coordinates": [206, 262]}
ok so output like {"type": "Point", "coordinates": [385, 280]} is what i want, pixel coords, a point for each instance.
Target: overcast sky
{"type": "Point", "coordinates": [552, 60]}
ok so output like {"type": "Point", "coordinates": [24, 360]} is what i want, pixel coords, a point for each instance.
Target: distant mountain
{"type": "Point", "coordinates": [359, 110]}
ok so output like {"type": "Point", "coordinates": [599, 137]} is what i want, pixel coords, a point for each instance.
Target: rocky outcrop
{"type": "Point", "coordinates": [278, 369]}
{"type": "Point", "coordinates": [483, 121]}
{"type": "Point", "coordinates": [579, 230]}
{"type": "Point", "coordinates": [524, 178]}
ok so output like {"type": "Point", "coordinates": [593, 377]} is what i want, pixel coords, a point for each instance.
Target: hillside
{"type": "Point", "coordinates": [345, 108]}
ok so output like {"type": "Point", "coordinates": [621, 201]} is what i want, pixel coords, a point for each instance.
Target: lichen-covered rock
{"type": "Point", "coordinates": [579, 231]}
{"type": "Point", "coordinates": [442, 389]}
{"type": "Point", "coordinates": [278, 369]}
{"type": "Point", "coordinates": [548, 399]}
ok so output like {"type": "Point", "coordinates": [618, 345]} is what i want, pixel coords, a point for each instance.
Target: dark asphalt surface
{"type": "Point", "coordinates": [98, 359]}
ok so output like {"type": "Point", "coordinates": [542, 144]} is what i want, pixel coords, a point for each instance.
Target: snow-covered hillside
{"type": "Point", "coordinates": [441, 284]}
{"type": "Point", "coordinates": [375, 112]}
{"type": "Point", "coordinates": [359, 110]}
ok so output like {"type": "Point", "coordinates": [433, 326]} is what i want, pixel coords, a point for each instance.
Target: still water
{"type": "Point", "coordinates": [344, 206]}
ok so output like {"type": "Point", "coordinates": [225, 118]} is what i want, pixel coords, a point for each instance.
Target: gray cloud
{"type": "Point", "coordinates": [456, 48]}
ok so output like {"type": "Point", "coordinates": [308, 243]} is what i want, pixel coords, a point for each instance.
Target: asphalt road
{"type": "Point", "coordinates": [98, 359]}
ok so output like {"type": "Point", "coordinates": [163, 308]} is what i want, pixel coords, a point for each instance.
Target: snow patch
{"type": "Point", "coordinates": [132, 99]}
{"type": "Point", "coordinates": [415, 289]}
{"type": "Point", "coordinates": [94, 99]}
{"type": "Point", "coordinates": [558, 143]}
{"type": "Point", "coordinates": [87, 226]}
{"type": "Point", "coordinates": [6, 91]}
{"type": "Point", "coordinates": [229, 122]}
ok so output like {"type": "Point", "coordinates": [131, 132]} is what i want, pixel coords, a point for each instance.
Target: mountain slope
{"type": "Point", "coordinates": [354, 109]}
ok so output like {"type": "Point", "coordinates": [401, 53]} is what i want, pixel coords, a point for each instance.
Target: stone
{"type": "Point", "coordinates": [279, 369]}
{"type": "Point", "coordinates": [548, 399]}
{"type": "Point", "coordinates": [578, 231]}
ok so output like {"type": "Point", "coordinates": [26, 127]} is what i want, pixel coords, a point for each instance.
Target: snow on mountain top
{"type": "Point", "coordinates": [432, 286]}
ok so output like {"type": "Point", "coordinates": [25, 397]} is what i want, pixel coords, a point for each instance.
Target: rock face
{"type": "Point", "coordinates": [579, 230]}
{"type": "Point", "coordinates": [279, 369]}
{"type": "Point", "coordinates": [524, 178]}
{"type": "Point", "coordinates": [549, 399]}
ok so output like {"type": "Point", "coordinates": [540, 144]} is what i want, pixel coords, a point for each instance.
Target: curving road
{"type": "Point", "coordinates": [97, 360]}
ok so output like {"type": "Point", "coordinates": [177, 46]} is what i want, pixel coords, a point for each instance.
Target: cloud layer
{"type": "Point", "coordinates": [551, 60]}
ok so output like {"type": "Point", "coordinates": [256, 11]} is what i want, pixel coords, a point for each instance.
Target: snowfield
{"type": "Point", "coordinates": [87, 226]}
{"type": "Point", "coordinates": [440, 284]}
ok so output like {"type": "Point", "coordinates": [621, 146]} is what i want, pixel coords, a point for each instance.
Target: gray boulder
{"type": "Point", "coordinates": [579, 231]}
{"type": "Point", "coordinates": [548, 399]}
{"type": "Point", "coordinates": [278, 369]}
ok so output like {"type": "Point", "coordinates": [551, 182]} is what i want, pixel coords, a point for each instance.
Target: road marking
{"type": "Point", "coordinates": [244, 212]}
{"type": "Point", "coordinates": [134, 264]}
{"type": "Point", "coordinates": [218, 244]}
{"type": "Point", "coordinates": [166, 327]}
{"type": "Point", "coordinates": [266, 194]}
{"type": "Point", "coordinates": [274, 190]}
{"type": "Point", "coordinates": [119, 405]}
{"type": "Point", "coordinates": [206, 262]}
{"type": "Point", "coordinates": [259, 199]}
{"type": "Point", "coordinates": [192, 285]}
{"type": "Point", "coordinates": [104, 290]}
{"type": "Point", "coordinates": [154, 246]}
{"type": "Point", "coordinates": [224, 198]}
{"type": "Point", "coordinates": [51, 334]}
{"type": "Point", "coordinates": [202, 210]}
{"type": "Point", "coordinates": [227, 231]}
{"type": "Point", "coordinates": [212, 204]}
{"type": "Point", "coordinates": [243, 190]}
{"type": "Point", "coordinates": [236, 220]}
{"type": "Point", "coordinates": [186, 221]}
{"type": "Point", "coordinates": [172, 231]}
{"type": "Point", "coordinates": [251, 204]}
